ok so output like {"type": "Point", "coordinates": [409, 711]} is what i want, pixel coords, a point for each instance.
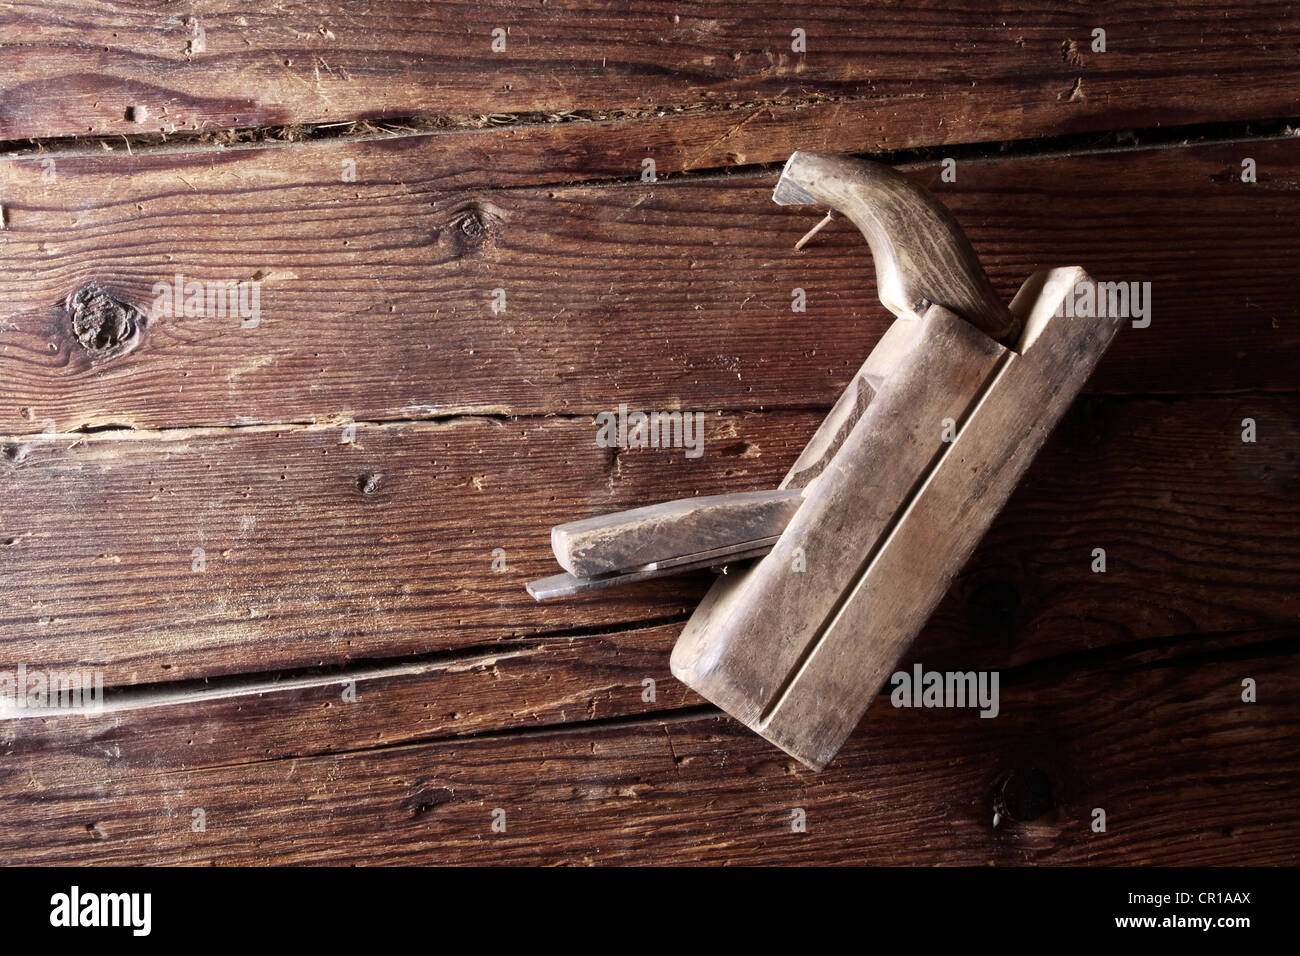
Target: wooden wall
{"type": "Point", "coordinates": [337, 674]}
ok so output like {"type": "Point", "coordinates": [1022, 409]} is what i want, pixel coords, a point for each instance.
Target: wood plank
{"type": "Point", "coordinates": [337, 557]}
{"type": "Point", "coordinates": [318, 552]}
{"type": "Point", "coordinates": [1186, 772]}
{"type": "Point", "coordinates": [375, 297]}
{"type": "Point", "coordinates": [525, 684]}
{"type": "Point", "coordinates": [921, 74]}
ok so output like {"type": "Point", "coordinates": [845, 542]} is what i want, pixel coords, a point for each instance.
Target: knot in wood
{"type": "Point", "coordinates": [1022, 795]}
{"type": "Point", "coordinates": [471, 227]}
{"type": "Point", "coordinates": [102, 324]}
{"type": "Point", "coordinates": [472, 224]}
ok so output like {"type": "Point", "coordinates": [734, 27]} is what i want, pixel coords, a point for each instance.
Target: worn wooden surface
{"type": "Point", "coordinates": [934, 71]}
{"type": "Point", "coordinates": [340, 673]}
{"type": "Point", "coordinates": [376, 295]}
{"type": "Point", "coordinates": [1187, 773]}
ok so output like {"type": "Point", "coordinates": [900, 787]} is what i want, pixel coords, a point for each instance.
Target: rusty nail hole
{"type": "Point", "coordinates": [1022, 795]}
{"type": "Point", "coordinates": [368, 482]}
{"type": "Point", "coordinates": [104, 325]}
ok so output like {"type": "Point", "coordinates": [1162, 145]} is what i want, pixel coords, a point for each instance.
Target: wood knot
{"type": "Point", "coordinates": [472, 224]}
{"type": "Point", "coordinates": [1022, 795]}
{"type": "Point", "coordinates": [102, 324]}
{"type": "Point", "coordinates": [471, 227]}
{"type": "Point", "coordinates": [368, 482]}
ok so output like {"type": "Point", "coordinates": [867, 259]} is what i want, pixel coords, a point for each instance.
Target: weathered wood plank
{"type": "Point", "coordinates": [375, 297]}
{"type": "Point", "coordinates": [329, 557]}
{"type": "Point", "coordinates": [314, 549]}
{"type": "Point", "coordinates": [925, 73]}
{"type": "Point", "coordinates": [318, 552]}
{"type": "Point", "coordinates": [1186, 772]}
{"type": "Point", "coordinates": [529, 684]}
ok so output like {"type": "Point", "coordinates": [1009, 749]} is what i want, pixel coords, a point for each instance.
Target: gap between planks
{"type": "Point", "coordinates": [1101, 141]}
{"type": "Point", "coordinates": [571, 728]}
{"type": "Point", "coordinates": [120, 431]}
{"type": "Point", "coordinates": [119, 698]}
{"type": "Point", "coordinates": [1144, 653]}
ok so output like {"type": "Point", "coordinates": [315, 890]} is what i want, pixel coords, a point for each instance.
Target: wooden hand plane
{"type": "Point", "coordinates": [891, 495]}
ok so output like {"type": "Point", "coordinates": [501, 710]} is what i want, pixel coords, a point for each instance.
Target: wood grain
{"type": "Point", "coordinates": [336, 560]}
{"type": "Point", "coordinates": [1186, 772]}
{"type": "Point", "coordinates": [317, 551]}
{"type": "Point", "coordinates": [545, 682]}
{"type": "Point", "coordinates": [926, 73]}
{"type": "Point", "coordinates": [376, 296]}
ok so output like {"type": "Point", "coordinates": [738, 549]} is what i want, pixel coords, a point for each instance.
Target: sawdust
{"type": "Point", "coordinates": [172, 136]}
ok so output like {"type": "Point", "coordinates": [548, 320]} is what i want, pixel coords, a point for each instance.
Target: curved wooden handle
{"type": "Point", "coordinates": [922, 257]}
